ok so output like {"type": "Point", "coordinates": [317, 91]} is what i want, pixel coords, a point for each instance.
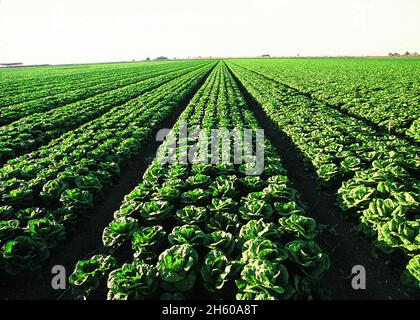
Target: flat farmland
{"type": "Point", "coordinates": [86, 185]}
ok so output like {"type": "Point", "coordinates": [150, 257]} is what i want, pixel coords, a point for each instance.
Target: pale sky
{"type": "Point", "coordinates": [73, 31]}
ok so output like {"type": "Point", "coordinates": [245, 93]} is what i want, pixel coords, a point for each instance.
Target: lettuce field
{"type": "Point", "coordinates": [86, 187]}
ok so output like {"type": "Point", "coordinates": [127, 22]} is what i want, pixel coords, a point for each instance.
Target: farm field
{"type": "Point", "coordinates": [85, 183]}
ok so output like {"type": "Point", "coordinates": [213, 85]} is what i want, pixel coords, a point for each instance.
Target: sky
{"type": "Point", "coordinates": [77, 31]}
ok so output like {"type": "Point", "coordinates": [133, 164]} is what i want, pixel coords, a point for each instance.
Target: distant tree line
{"type": "Point", "coordinates": [405, 54]}
{"type": "Point", "coordinates": [161, 58]}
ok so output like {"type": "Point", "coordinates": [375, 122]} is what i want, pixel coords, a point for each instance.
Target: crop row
{"type": "Point", "coordinates": [24, 83]}
{"type": "Point", "coordinates": [66, 84]}
{"type": "Point", "coordinates": [198, 230]}
{"type": "Point", "coordinates": [385, 93]}
{"type": "Point", "coordinates": [81, 92]}
{"type": "Point", "coordinates": [377, 173]}
{"type": "Point", "coordinates": [30, 132]}
{"type": "Point", "coordinates": [44, 192]}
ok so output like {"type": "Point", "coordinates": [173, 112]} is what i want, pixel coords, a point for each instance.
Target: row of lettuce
{"type": "Point", "coordinates": [374, 175]}
{"type": "Point", "coordinates": [25, 81]}
{"type": "Point", "coordinates": [34, 85]}
{"type": "Point", "coordinates": [199, 230]}
{"type": "Point", "coordinates": [43, 193]}
{"type": "Point", "coordinates": [382, 91]}
{"type": "Point", "coordinates": [80, 93]}
{"type": "Point", "coordinates": [37, 129]}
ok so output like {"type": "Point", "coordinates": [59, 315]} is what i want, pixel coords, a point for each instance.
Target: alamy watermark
{"type": "Point", "coordinates": [358, 281]}
{"type": "Point", "coordinates": [58, 281]}
{"type": "Point", "coordinates": [194, 145]}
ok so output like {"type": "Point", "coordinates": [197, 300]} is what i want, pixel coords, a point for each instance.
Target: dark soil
{"type": "Point", "coordinates": [345, 247]}
{"type": "Point", "coordinates": [86, 239]}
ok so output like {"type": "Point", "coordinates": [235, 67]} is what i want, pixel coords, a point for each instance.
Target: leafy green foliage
{"type": "Point", "coordinates": [77, 199]}
{"type": "Point", "coordinates": [176, 268]}
{"type": "Point", "coordinates": [411, 276]}
{"type": "Point", "coordinates": [263, 280]}
{"type": "Point", "coordinates": [119, 231]}
{"type": "Point", "coordinates": [24, 254]}
{"type": "Point", "coordinates": [221, 240]}
{"type": "Point", "coordinates": [154, 211]}
{"type": "Point", "coordinates": [300, 226]}
{"type": "Point", "coordinates": [46, 230]}
{"type": "Point", "coordinates": [215, 270]}
{"type": "Point", "coordinates": [309, 256]}
{"type": "Point", "coordinates": [9, 229]}
{"type": "Point", "coordinates": [187, 234]}
{"type": "Point", "coordinates": [192, 214]}
{"type": "Point", "coordinates": [88, 275]}
{"type": "Point", "coordinates": [135, 281]}
{"type": "Point", "coordinates": [147, 240]}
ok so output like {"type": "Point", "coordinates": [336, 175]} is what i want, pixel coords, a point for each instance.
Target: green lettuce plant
{"type": "Point", "coordinates": [9, 229]}
{"type": "Point", "coordinates": [287, 208]}
{"type": "Point", "coordinates": [227, 205]}
{"type": "Point", "coordinates": [156, 211]}
{"type": "Point", "coordinates": [192, 214]}
{"type": "Point", "coordinates": [223, 221]}
{"type": "Point", "coordinates": [176, 267]}
{"type": "Point", "coordinates": [178, 171]}
{"type": "Point", "coordinates": [223, 186]}
{"type": "Point", "coordinates": [135, 281]}
{"type": "Point", "coordinates": [256, 210]}
{"type": "Point", "coordinates": [327, 172]}
{"type": "Point", "coordinates": [350, 164]}
{"type": "Point", "coordinates": [130, 208]}
{"type": "Point", "coordinates": [354, 197]}
{"type": "Point", "coordinates": [140, 193]}
{"type": "Point", "coordinates": [264, 280]}
{"type": "Point", "coordinates": [146, 242]}
{"type": "Point", "coordinates": [380, 211]}
{"type": "Point", "coordinates": [77, 199]}
{"type": "Point", "coordinates": [280, 193]}
{"type": "Point", "coordinates": [89, 274]}
{"type": "Point", "coordinates": [221, 240]}
{"type": "Point", "coordinates": [411, 274]}
{"type": "Point", "coordinates": [258, 229]}
{"type": "Point", "coordinates": [187, 234]}
{"type": "Point", "coordinates": [280, 180]}
{"type": "Point", "coordinates": [23, 254]}
{"type": "Point", "coordinates": [195, 197]}
{"type": "Point", "coordinates": [253, 183]}
{"type": "Point", "coordinates": [399, 233]}
{"type": "Point", "coordinates": [309, 257]}
{"type": "Point", "coordinates": [119, 231]}
{"type": "Point", "coordinates": [20, 197]}
{"type": "Point", "coordinates": [298, 226]}
{"type": "Point", "coordinates": [264, 249]}
{"type": "Point", "coordinates": [46, 230]}
{"type": "Point", "coordinates": [198, 181]}
{"type": "Point", "coordinates": [27, 214]}
{"type": "Point", "coordinates": [89, 182]}
{"type": "Point", "coordinates": [167, 194]}
{"type": "Point", "coordinates": [215, 270]}
{"type": "Point", "coordinates": [53, 189]}
{"type": "Point", "coordinates": [154, 173]}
